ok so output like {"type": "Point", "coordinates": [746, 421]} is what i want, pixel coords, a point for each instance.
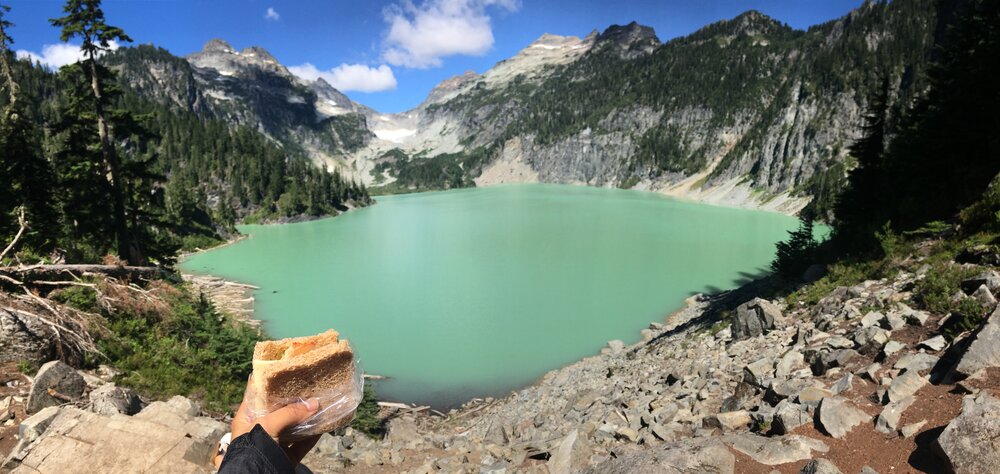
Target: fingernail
{"type": "Point", "coordinates": [311, 404]}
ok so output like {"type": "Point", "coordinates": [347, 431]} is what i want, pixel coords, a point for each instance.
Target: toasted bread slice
{"type": "Point", "coordinates": [300, 368]}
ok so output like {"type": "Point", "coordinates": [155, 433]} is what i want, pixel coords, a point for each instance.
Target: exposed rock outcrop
{"type": "Point", "coordinates": [24, 339]}
{"type": "Point", "coordinates": [971, 442]}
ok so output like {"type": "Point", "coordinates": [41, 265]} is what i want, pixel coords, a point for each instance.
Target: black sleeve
{"type": "Point", "coordinates": [255, 453]}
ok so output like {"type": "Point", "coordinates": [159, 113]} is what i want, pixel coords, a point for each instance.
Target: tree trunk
{"type": "Point", "coordinates": [127, 249]}
{"type": "Point", "coordinates": [63, 272]}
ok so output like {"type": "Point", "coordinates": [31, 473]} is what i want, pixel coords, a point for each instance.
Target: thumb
{"type": "Point", "coordinates": [288, 416]}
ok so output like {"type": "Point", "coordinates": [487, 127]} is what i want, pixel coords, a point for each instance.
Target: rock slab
{"type": "Point", "coordinates": [837, 417]}
{"type": "Point", "coordinates": [708, 455]}
{"type": "Point", "coordinates": [777, 449]}
{"type": "Point", "coordinates": [971, 442]}
{"type": "Point", "coordinates": [984, 351]}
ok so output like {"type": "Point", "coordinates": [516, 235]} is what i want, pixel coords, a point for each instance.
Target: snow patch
{"type": "Point", "coordinates": [396, 135]}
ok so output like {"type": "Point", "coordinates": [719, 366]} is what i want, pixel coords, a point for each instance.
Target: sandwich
{"type": "Point", "coordinates": [299, 368]}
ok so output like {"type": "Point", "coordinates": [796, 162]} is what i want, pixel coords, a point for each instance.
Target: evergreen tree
{"type": "Point", "coordinates": [28, 174]}
{"type": "Point", "coordinates": [946, 150]}
{"type": "Point", "coordinates": [794, 255]}
{"type": "Point", "coordinates": [859, 203]}
{"type": "Point", "coordinates": [85, 20]}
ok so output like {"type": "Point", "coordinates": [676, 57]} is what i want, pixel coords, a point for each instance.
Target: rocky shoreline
{"type": "Point", "coordinates": [859, 382]}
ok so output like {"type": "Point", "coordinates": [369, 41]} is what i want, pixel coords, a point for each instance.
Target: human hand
{"type": "Point", "coordinates": [277, 422]}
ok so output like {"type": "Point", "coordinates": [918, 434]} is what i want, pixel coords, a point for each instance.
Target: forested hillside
{"type": "Point", "coordinates": [127, 173]}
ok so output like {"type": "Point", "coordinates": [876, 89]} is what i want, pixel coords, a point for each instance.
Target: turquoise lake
{"type": "Point", "coordinates": [477, 292]}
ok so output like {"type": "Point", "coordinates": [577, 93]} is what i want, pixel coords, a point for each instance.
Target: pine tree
{"type": "Point", "coordinates": [85, 20]}
{"type": "Point", "coordinates": [793, 256]}
{"type": "Point", "coordinates": [857, 208]}
{"type": "Point", "coordinates": [29, 176]}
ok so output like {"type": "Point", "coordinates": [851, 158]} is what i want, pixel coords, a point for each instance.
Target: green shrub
{"type": "Point", "coordinates": [78, 297]}
{"type": "Point", "coordinates": [193, 242]}
{"type": "Point", "coordinates": [366, 419]}
{"type": "Point", "coordinates": [26, 367]}
{"type": "Point", "coordinates": [184, 347]}
{"type": "Point", "coordinates": [984, 213]}
{"type": "Point", "coordinates": [967, 315]}
{"type": "Point", "coordinates": [934, 292]}
{"type": "Point", "coordinates": [838, 274]}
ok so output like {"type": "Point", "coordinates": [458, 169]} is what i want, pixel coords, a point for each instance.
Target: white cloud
{"type": "Point", "coordinates": [57, 55]}
{"type": "Point", "coordinates": [419, 36]}
{"type": "Point", "coordinates": [350, 77]}
{"type": "Point", "coordinates": [272, 14]}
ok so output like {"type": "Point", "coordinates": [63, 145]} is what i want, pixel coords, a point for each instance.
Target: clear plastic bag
{"type": "Point", "coordinates": [336, 407]}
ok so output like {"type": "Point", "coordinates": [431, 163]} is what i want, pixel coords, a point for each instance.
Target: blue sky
{"type": "Point", "coordinates": [388, 54]}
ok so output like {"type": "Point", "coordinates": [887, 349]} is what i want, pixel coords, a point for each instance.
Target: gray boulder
{"type": "Point", "coordinates": [779, 390]}
{"type": "Point", "coordinates": [990, 279]}
{"type": "Point", "coordinates": [788, 416]}
{"type": "Point", "coordinates": [983, 351]}
{"type": "Point", "coordinates": [893, 321]}
{"type": "Point", "coordinates": [837, 417]}
{"type": "Point", "coordinates": [971, 442]}
{"type": "Point", "coordinates": [24, 339]}
{"type": "Point", "coordinates": [871, 319]}
{"type": "Point", "coordinates": [846, 383]}
{"type": "Point", "coordinates": [905, 385]}
{"type": "Point", "coordinates": [888, 420]}
{"type": "Point", "coordinates": [571, 454]}
{"type": "Point", "coordinates": [820, 466]}
{"type": "Point", "coordinates": [823, 362]}
{"type": "Point", "coordinates": [985, 297]}
{"type": "Point", "coordinates": [917, 362]}
{"type": "Point", "coordinates": [110, 399]}
{"type": "Point", "coordinates": [707, 455]}
{"type": "Point", "coordinates": [754, 318]}
{"type": "Point", "coordinates": [62, 380]}
{"type": "Point", "coordinates": [759, 372]}
{"type": "Point", "coordinates": [935, 343]}
{"type": "Point", "coordinates": [892, 347]}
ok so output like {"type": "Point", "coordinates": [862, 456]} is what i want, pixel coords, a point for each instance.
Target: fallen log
{"type": "Point", "coordinates": [50, 272]}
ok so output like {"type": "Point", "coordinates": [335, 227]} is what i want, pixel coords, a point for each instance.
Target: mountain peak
{"type": "Point", "coordinates": [218, 45]}
{"type": "Point", "coordinates": [257, 52]}
{"type": "Point", "coordinates": [221, 56]}
{"type": "Point", "coordinates": [633, 39]}
{"type": "Point", "coordinates": [754, 22]}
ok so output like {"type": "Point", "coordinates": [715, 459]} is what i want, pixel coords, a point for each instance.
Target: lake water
{"type": "Point", "coordinates": [477, 292]}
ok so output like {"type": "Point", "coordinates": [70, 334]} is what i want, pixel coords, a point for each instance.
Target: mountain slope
{"type": "Point", "coordinates": [746, 111]}
{"type": "Point", "coordinates": [249, 88]}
